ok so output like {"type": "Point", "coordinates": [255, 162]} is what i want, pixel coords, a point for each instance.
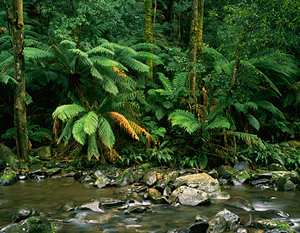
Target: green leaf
{"type": "Point", "coordinates": [66, 112]}
{"type": "Point", "coordinates": [110, 87]}
{"type": "Point", "coordinates": [185, 120]}
{"type": "Point", "coordinates": [219, 122]}
{"type": "Point", "coordinates": [203, 161]}
{"type": "Point", "coordinates": [253, 122]}
{"type": "Point", "coordinates": [92, 147]}
{"type": "Point", "coordinates": [78, 130]}
{"type": "Point", "coordinates": [91, 123]}
{"type": "Point", "coordinates": [106, 133]}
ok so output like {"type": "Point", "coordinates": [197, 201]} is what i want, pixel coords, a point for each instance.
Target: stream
{"type": "Point", "coordinates": [50, 195]}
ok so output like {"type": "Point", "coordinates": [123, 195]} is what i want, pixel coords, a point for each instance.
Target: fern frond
{"type": "Point", "coordinates": [36, 53]}
{"type": "Point", "coordinates": [124, 124]}
{"type": "Point", "coordinates": [268, 106]}
{"type": "Point", "coordinates": [249, 139]}
{"type": "Point", "coordinates": [99, 50]}
{"type": "Point", "coordinates": [185, 120]}
{"type": "Point", "coordinates": [91, 123]}
{"type": "Point", "coordinates": [92, 150]}
{"type": "Point", "coordinates": [67, 112]}
{"type": "Point", "coordinates": [219, 122]}
{"type": "Point", "coordinates": [66, 133]}
{"type": "Point", "coordinates": [140, 130]}
{"type": "Point", "coordinates": [106, 133]}
{"type": "Point", "coordinates": [78, 130]}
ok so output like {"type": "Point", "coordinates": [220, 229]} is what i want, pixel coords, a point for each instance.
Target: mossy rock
{"type": "Point", "coordinates": [7, 157]}
{"type": "Point", "coordinates": [8, 177]}
{"type": "Point", "coordinates": [269, 224]}
{"type": "Point", "coordinates": [32, 225]}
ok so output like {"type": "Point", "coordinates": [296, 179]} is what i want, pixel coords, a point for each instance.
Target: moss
{"type": "Point", "coordinates": [8, 177]}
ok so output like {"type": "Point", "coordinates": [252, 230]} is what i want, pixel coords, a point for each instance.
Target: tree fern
{"type": "Point", "coordinates": [106, 133]}
{"type": "Point", "coordinates": [67, 112]}
{"type": "Point", "coordinates": [185, 120]}
{"type": "Point", "coordinates": [220, 122]}
{"type": "Point", "coordinates": [78, 131]}
{"type": "Point", "coordinates": [91, 123]}
{"type": "Point", "coordinates": [92, 150]}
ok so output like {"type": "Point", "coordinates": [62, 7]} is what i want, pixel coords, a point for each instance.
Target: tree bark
{"type": "Point", "coordinates": [20, 118]}
{"type": "Point", "coordinates": [148, 31]}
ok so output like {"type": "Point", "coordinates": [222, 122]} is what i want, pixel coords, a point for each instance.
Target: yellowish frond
{"type": "Point", "coordinates": [140, 130]}
{"type": "Point", "coordinates": [121, 73]}
{"type": "Point", "coordinates": [111, 155]}
{"type": "Point", "coordinates": [124, 123]}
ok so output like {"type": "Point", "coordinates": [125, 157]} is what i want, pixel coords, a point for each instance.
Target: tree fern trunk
{"type": "Point", "coordinates": [20, 120]}
{"type": "Point", "coordinates": [148, 31]}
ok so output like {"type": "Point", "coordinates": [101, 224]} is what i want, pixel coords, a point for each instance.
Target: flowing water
{"type": "Point", "coordinates": [49, 196]}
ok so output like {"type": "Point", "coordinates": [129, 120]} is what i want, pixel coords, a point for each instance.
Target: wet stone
{"type": "Point", "coordinates": [189, 196]}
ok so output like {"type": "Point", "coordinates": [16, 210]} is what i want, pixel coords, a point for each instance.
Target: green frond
{"type": "Point", "coordinates": [92, 150]}
{"type": "Point", "coordinates": [78, 130]}
{"type": "Point", "coordinates": [253, 122]}
{"type": "Point", "coordinates": [5, 78]}
{"type": "Point", "coordinates": [185, 120]}
{"type": "Point", "coordinates": [83, 57]}
{"type": "Point", "coordinates": [144, 56]}
{"type": "Point", "coordinates": [145, 47]}
{"type": "Point", "coordinates": [66, 133]}
{"type": "Point", "coordinates": [249, 139]}
{"type": "Point", "coordinates": [220, 122]}
{"type": "Point", "coordinates": [36, 53]}
{"type": "Point", "coordinates": [268, 106]}
{"type": "Point", "coordinates": [136, 65]}
{"type": "Point", "coordinates": [95, 73]}
{"type": "Point", "coordinates": [180, 81]}
{"type": "Point", "coordinates": [91, 123]}
{"type": "Point", "coordinates": [165, 82]}
{"type": "Point", "coordinates": [108, 63]}
{"type": "Point", "coordinates": [67, 112]}
{"type": "Point", "coordinates": [99, 50]}
{"type": "Point", "coordinates": [110, 87]}
{"type": "Point", "coordinates": [68, 44]}
{"type": "Point", "coordinates": [106, 133]}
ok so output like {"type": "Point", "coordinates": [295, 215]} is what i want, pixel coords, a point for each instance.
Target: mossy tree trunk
{"type": "Point", "coordinates": [196, 46]}
{"type": "Point", "coordinates": [148, 30]}
{"type": "Point", "coordinates": [20, 120]}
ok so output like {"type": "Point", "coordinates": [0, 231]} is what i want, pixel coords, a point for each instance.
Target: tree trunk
{"type": "Point", "coordinates": [148, 33]}
{"type": "Point", "coordinates": [20, 120]}
{"type": "Point", "coordinates": [200, 25]}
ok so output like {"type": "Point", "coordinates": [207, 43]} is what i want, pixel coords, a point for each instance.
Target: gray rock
{"type": "Point", "coordinates": [101, 180]}
{"type": "Point", "coordinates": [7, 157]}
{"type": "Point", "coordinates": [92, 206]}
{"type": "Point", "coordinates": [201, 181]}
{"type": "Point", "coordinates": [22, 214]}
{"type": "Point", "coordinates": [241, 166]}
{"type": "Point", "coordinates": [189, 196]}
{"type": "Point", "coordinates": [224, 221]}
{"type": "Point", "coordinates": [198, 227]}
{"type": "Point", "coordinates": [150, 178]}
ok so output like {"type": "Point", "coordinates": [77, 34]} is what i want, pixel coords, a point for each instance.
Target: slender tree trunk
{"type": "Point", "coordinates": [194, 48]}
{"type": "Point", "coordinates": [236, 67]}
{"type": "Point", "coordinates": [200, 25]}
{"type": "Point", "coordinates": [148, 33]}
{"type": "Point", "coordinates": [20, 120]}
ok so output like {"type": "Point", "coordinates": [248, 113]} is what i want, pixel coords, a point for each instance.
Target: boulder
{"type": "Point", "coordinates": [7, 157]}
{"type": "Point", "coordinates": [32, 224]}
{"type": "Point", "coordinates": [200, 181]}
{"type": "Point", "coordinates": [189, 196]}
{"type": "Point", "coordinates": [150, 178]}
{"type": "Point", "coordinates": [43, 152]}
{"type": "Point", "coordinates": [92, 206]}
{"type": "Point", "coordinates": [8, 177]}
{"type": "Point", "coordinates": [224, 221]}
{"type": "Point", "coordinates": [101, 180]}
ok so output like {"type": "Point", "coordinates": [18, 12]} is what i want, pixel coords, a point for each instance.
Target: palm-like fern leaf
{"type": "Point", "coordinates": [78, 130]}
{"type": "Point", "coordinates": [106, 133]}
{"type": "Point", "coordinates": [185, 120]}
{"type": "Point", "coordinates": [67, 112]}
{"type": "Point", "coordinates": [91, 123]}
{"type": "Point", "coordinates": [92, 150]}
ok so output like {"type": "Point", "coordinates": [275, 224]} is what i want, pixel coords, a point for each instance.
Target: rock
{"type": "Point", "coordinates": [150, 178]}
{"type": "Point", "coordinates": [109, 203]}
{"type": "Point", "coordinates": [223, 221]}
{"type": "Point", "coordinates": [22, 214]}
{"type": "Point", "coordinates": [189, 196]}
{"type": "Point", "coordinates": [53, 171]}
{"type": "Point", "coordinates": [92, 206]}
{"type": "Point", "coordinates": [31, 225]}
{"type": "Point", "coordinates": [285, 184]}
{"type": "Point", "coordinates": [201, 181]}
{"type": "Point", "coordinates": [240, 177]}
{"type": "Point", "coordinates": [136, 209]}
{"type": "Point", "coordinates": [276, 167]}
{"type": "Point", "coordinates": [43, 152]}
{"type": "Point", "coordinates": [101, 180]}
{"type": "Point", "coordinates": [7, 157]}
{"type": "Point", "coordinates": [214, 174]}
{"type": "Point", "coordinates": [22, 177]}
{"type": "Point", "coordinates": [8, 177]}
{"type": "Point", "coordinates": [241, 230]}
{"type": "Point", "coordinates": [198, 227]}
{"type": "Point", "coordinates": [241, 166]}
{"type": "Point", "coordinates": [273, 226]}
{"type": "Point", "coordinates": [154, 194]}
{"type": "Point", "coordinates": [240, 203]}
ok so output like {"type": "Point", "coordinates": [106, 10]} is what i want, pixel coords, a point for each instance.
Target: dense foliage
{"type": "Point", "coordinates": [97, 81]}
